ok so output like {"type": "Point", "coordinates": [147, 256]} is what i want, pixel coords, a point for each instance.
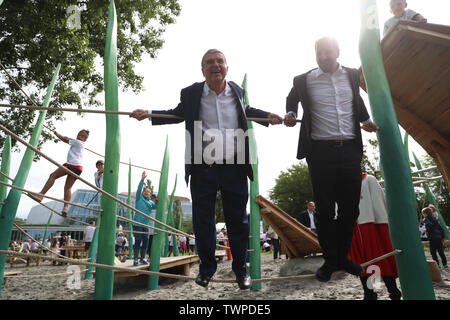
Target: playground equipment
{"type": "Point", "coordinates": [416, 57]}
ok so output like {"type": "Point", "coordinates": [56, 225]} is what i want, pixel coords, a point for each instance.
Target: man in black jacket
{"type": "Point", "coordinates": [331, 142]}
{"type": "Point", "coordinates": [308, 218]}
{"type": "Point", "coordinates": [211, 110]}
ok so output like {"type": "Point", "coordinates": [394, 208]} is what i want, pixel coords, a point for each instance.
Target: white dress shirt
{"type": "Point", "coordinates": [311, 219]}
{"type": "Point", "coordinates": [219, 116]}
{"type": "Point", "coordinates": [331, 105]}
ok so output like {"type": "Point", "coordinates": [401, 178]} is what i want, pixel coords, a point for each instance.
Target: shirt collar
{"type": "Point", "coordinates": [207, 90]}
{"type": "Point", "coordinates": [338, 70]}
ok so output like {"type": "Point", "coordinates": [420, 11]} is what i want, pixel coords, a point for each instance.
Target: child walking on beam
{"type": "Point", "coordinates": [74, 164]}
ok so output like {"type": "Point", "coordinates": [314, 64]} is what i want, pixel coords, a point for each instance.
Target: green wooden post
{"type": "Point", "coordinates": [104, 278]}
{"type": "Point", "coordinates": [9, 209]}
{"type": "Point", "coordinates": [413, 270]}
{"type": "Point", "coordinates": [130, 217]}
{"type": "Point", "coordinates": [5, 167]}
{"type": "Point", "coordinates": [255, 218]}
{"type": "Point", "coordinates": [431, 197]}
{"type": "Point", "coordinates": [92, 255]}
{"type": "Point", "coordinates": [158, 237]}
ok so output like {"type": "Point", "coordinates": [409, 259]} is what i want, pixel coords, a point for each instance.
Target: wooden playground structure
{"type": "Point", "coordinates": [417, 62]}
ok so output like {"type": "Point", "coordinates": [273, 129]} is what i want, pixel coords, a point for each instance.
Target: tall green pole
{"type": "Point", "coordinates": [104, 278]}
{"type": "Point", "coordinates": [9, 209]}
{"type": "Point", "coordinates": [431, 197]}
{"type": "Point", "coordinates": [130, 217]}
{"type": "Point", "coordinates": [92, 255]}
{"type": "Point", "coordinates": [413, 270]}
{"type": "Point", "coordinates": [255, 218]}
{"type": "Point", "coordinates": [158, 237]}
{"type": "Point", "coordinates": [5, 167]}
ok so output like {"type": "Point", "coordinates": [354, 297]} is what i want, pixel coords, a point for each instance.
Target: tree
{"type": "Point", "coordinates": [37, 35]}
{"type": "Point", "coordinates": [177, 212]}
{"type": "Point", "coordinates": [292, 190]}
{"type": "Point", "coordinates": [370, 162]}
{"type": "Point", "coordinates": [148, 184]}
{"type": "Point", "coordinates": [220, 216]}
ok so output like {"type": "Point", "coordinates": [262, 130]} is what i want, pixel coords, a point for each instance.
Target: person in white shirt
{"type": "Point", "coordinates": [307, 218]}
{"type": "Point", "coordinates": [26, 246]}
{"type": "Point", "coordinates": [74, 163]}
{"type": "Point", "coordinates": [210, 109]}
{"type": "Point", "coordinates": [89, 235]}
{"type": "Point", "coordinates": [331, 142]}
{"type": "Point", "coordinates": [34, 247]}
{"type": "Point", "coordinates": [98, 175]}
{"type": "Point", "coordinates": [398, 9]}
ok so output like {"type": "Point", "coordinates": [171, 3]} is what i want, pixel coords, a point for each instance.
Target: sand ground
{"type": "Point", "coordinates": [48, 282]}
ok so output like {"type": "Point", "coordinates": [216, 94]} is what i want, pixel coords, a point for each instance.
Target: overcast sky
{"type": "Point", "coordinates": [270, 41]}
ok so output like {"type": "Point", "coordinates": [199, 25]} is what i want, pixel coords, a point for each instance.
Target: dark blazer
{"type": "Point", "coordinates": [304, 219]}
{"type": "Point", "coordinates": [299, 93]}
{"type": "Point", "coordinates": [189, 109]}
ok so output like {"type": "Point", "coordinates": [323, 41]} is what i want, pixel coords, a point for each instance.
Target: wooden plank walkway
{"type": "Point", "coordinates": [297, 239]}
{"type": "Point", "coordinates": [165, 263]}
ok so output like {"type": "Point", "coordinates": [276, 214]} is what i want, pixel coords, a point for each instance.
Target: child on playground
{"type": "Point", "coordinates": [398, 9]}
{"type": "Point", "coordinates": [74, 164]}
{"type": "Point", "coordinates": [141, 237]}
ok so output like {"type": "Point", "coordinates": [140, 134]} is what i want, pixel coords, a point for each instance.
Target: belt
{"type": "Point", "coordinates": [334, 143]}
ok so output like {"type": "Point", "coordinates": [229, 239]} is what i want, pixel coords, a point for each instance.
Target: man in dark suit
{"type": "Point", "coordinates": [217, 159]}
{"type": "Point", "coordinates": [331, 142]}
{"type": "Point", "coordinates": [308, 218]}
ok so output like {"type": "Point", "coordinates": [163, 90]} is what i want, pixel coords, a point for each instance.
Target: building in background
{"type": "Point", "coordinates": [38, 217]}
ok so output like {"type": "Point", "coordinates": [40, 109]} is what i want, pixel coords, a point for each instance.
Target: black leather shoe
{"type": "Point", "coordinates": [244, 282]}
{"type": "Point", "coordinates": [323, 274]}
{"type": "Point", "coordinates": [202, 280]}
{"type": "Point", "coordinates": [352, 267]}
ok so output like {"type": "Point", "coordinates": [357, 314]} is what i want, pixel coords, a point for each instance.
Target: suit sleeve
{"type": "Point", "coordinates": [178, 111]}
{"type": "Point", "coordinates": [257, 113]}
{"type": "Point", "coordinates": [293, 99]}
{"type": "Point", "coordinates": [363, 115]}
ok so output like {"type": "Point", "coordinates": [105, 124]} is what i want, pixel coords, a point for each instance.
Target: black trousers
{"type": "Point", "coordinates": [231, 181]}
{"type": "Point", "coordinates": [335, 174]}
{"type": "Point", "coordinates": [436, 246]}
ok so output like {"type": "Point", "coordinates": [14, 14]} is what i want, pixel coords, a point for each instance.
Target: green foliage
{"type": "Point", "coordinates": [292, 190]}
{"type": "Point", "coordinates": [177, 212]}
{"type": "Point", "coordinates": [370, 163]}
{"type": "Point", "coordinates": [37, 35]}
{"type": "Point", "coordinates": [220, 216]}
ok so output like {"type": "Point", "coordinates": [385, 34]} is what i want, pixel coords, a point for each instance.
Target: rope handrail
{"type": "Point", "coordinates": [49, 197]}
{"type": "Point", "coordinates": [84, 223]}
{"type": "Point", "coordinates": [2, 127]}
{"type": "Point", "coordinates": [126, 113]}
{"type": "Point", "coordinates": [180, 277]}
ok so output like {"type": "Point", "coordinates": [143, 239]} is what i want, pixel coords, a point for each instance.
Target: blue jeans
{"type": "Point", "coordinates": [140, 242]}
